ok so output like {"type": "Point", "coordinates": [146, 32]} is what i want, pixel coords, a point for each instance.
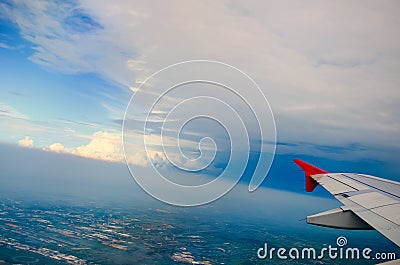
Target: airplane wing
{"type": "Point", "coordinates": [369, 202]}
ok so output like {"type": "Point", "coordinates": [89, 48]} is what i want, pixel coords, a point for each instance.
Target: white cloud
{"type": "Point", "coordinates": [26, 142]}
{"type": "Point", "coordinates": [67, 43]}
{"type": "Point", "coordinates": [56, 147]}
{"type": "Point", "coordinates": [340, 63]}
{"type": "Point", "coordinates": [329, 69]}
{"type": "Point", "coordinates": [108, 147]}
{"type": "Point", "coordinates": [102, 145]}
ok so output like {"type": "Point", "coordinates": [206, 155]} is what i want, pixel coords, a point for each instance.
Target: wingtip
{"type": "Point", "coordinates": [302, 164]}
{"type": "Point", "coordinates": [309, 171]}
{"type": "Point", "coordinates": [308, 168]}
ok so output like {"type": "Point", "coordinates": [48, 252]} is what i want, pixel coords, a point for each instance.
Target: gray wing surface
{"type": "Point", "coordinates": [374, 200]}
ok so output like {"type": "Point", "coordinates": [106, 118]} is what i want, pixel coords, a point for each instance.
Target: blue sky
{"type": "Point", "coordinates": [328, 70]}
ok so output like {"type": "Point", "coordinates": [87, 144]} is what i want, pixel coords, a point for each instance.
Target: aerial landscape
{"type": "Point", "coordinates": [193, 132]}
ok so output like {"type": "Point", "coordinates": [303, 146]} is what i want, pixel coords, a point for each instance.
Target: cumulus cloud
{"type": "Point", "coordinates": [26, 142]}
{"type": "Point", "coordinates": [56, 147]}
{"type": "Point", "coordinates": [105, 146]}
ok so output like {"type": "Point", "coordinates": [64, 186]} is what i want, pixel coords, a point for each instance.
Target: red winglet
{"type": "Point", "coordinates": [309, 170]}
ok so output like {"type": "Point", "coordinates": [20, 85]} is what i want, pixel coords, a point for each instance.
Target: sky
{"type": "Point", "coordinates": [328, 71]}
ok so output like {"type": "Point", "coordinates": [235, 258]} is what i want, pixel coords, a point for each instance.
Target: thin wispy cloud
{"type": "Point", "coordinates": [9, 111]}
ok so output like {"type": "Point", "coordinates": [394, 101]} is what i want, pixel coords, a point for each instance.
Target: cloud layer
{"type": "Point", "coordinates": [329, 69]}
